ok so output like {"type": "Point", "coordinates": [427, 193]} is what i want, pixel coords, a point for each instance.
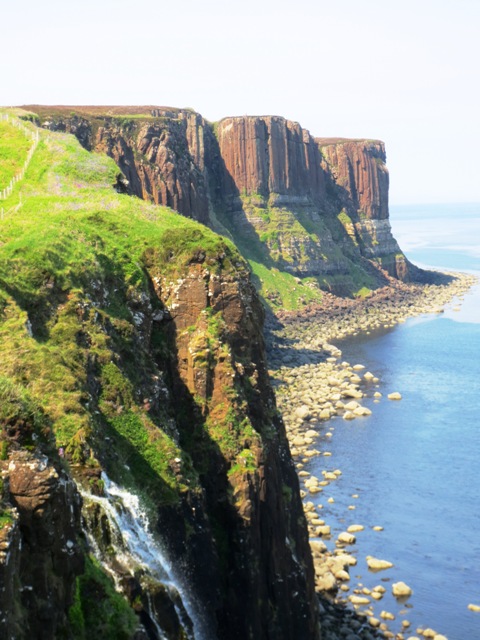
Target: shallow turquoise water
{"type": "Point", "coordinates": [415, 463]}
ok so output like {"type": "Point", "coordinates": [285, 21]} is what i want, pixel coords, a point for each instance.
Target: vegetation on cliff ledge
{"type": "Point", "coordinates": [295, 253]}
{"type": "Point", "coordinates": [98, 611]}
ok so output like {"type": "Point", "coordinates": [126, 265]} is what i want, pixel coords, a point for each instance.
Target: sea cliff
{"type": "Point", "coordinates": [312, 208]}
{"type": "Point", "coordinates": [132, 349]}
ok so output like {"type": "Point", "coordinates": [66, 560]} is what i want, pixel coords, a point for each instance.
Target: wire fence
{"type": "Point", "coordinates": [35, 137]}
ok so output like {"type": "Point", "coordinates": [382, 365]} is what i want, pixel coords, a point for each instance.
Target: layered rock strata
{"type": "Point", "coordinates": [358, 168]}
{"type": "Point", "coordinates": [271, 155]}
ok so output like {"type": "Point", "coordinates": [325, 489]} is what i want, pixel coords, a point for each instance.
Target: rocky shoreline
{"type": "Point", "coordinates": [313, 384]}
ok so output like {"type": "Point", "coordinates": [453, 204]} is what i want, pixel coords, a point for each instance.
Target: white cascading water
{"type": "Point", "coordinates": [136, 546]}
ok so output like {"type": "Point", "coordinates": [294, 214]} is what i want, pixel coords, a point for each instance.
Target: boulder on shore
{"type": "Point", "coordinates": [394, 396]}
{"type": "Point", "coordinates": [401, 590]}
{"type": "Point", "coordinates": [375, 564]}
{"type": "Point", "coordinates": [346, 538]}
{"type": "Point", "coordinates": [302, 412]}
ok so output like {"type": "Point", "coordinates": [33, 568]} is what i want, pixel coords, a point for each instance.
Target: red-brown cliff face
{"type": "Point", "coordinates": [269, 154]}
{"type": "Point", "coordinates": [359, 181]}
{"type": "Point", "coordinates": [305, 184]}
{"type": "Point", "coordinates": [358, 168]}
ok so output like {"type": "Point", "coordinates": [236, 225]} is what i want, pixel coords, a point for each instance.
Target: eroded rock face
{"type": "Point", "coordinates": [41, 556]}
{"type": "Point", "coordinates": [164, 161]}
{"type": "Point", "coordinates": [260, 558]}
{"type": "Point", "coordinates": [314, 179]}
{"type": "Point", "coordinates": [358, 181]}
{"type": "Point", "coordinates": [358, 169]}
{"type": "Point", "coordinates": [270, 155]}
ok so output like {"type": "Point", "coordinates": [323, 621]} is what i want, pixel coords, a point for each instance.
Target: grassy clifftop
{"type": "Point", "coordinates": [13, 152]}
{"type": "Point", "coordinates": [73, 281]}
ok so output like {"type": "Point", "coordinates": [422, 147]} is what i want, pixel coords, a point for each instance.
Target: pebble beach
{"type": "Point", "coordinates": [315, 384]}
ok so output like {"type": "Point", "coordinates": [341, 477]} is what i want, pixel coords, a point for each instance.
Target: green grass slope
{"type": "Point", "coordinates": [73, 267]}
{"type": "Point", "coordinates": [90, 361]}
{"type": "Point", "coordinates": [14, 147]}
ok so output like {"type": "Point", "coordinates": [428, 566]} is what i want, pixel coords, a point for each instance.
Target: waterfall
{"type": "Point", "coordinates": [126, 547]}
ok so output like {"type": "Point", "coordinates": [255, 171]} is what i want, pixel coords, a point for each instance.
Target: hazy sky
{"type": "Point", "coordinates": [406, 72]}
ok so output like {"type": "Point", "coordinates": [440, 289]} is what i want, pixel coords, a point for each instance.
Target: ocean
{"type": "Point", "coordinates": [415, 464]}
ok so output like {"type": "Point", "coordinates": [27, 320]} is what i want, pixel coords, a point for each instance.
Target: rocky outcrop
{"type": "Point", "coordinates": [357, 168]}
{"type": "Point", "coordinates": [281, 191]}
{"type": "Point", "coordinates": [239, 444]}
{"type": "Point", "coordinates": [280, 166]}
{"type": "Point", "coordinates": [40, 555]}
{"type": "Point", "coordinates": [358, 181]}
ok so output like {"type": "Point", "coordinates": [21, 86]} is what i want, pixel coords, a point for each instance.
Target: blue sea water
{"type": "Point", "coordinates": [440, 235]}
{"type": "Point", "coordinates": [415, 464]}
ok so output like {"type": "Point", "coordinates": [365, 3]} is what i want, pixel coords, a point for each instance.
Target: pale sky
{"type": "Point", "coordinates": [406, 72]}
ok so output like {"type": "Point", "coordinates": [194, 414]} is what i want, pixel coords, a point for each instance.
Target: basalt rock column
{"type": "Point", "coordinates": [270, 155]}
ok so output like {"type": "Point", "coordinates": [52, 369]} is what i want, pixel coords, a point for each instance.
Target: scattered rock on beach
{"type": "Point", "coordinates": [353, 528]}
{"type": "Point", "coordinates": [394, 396]}
{"type": "Point", "coordinates": [302, 412]}
{"type": "Point", "coordinates": [346, 538]}
{"type": "Point", "coordinates": [315, 389]}
{"type": "Point", "coordinates": [387, 615]}
{"type": "Point", "coordinates": [401, 590]}
{"type": "Point", "coordinates": [359, 600]}
{"type": "Point", "coordinates": [375, 564]}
